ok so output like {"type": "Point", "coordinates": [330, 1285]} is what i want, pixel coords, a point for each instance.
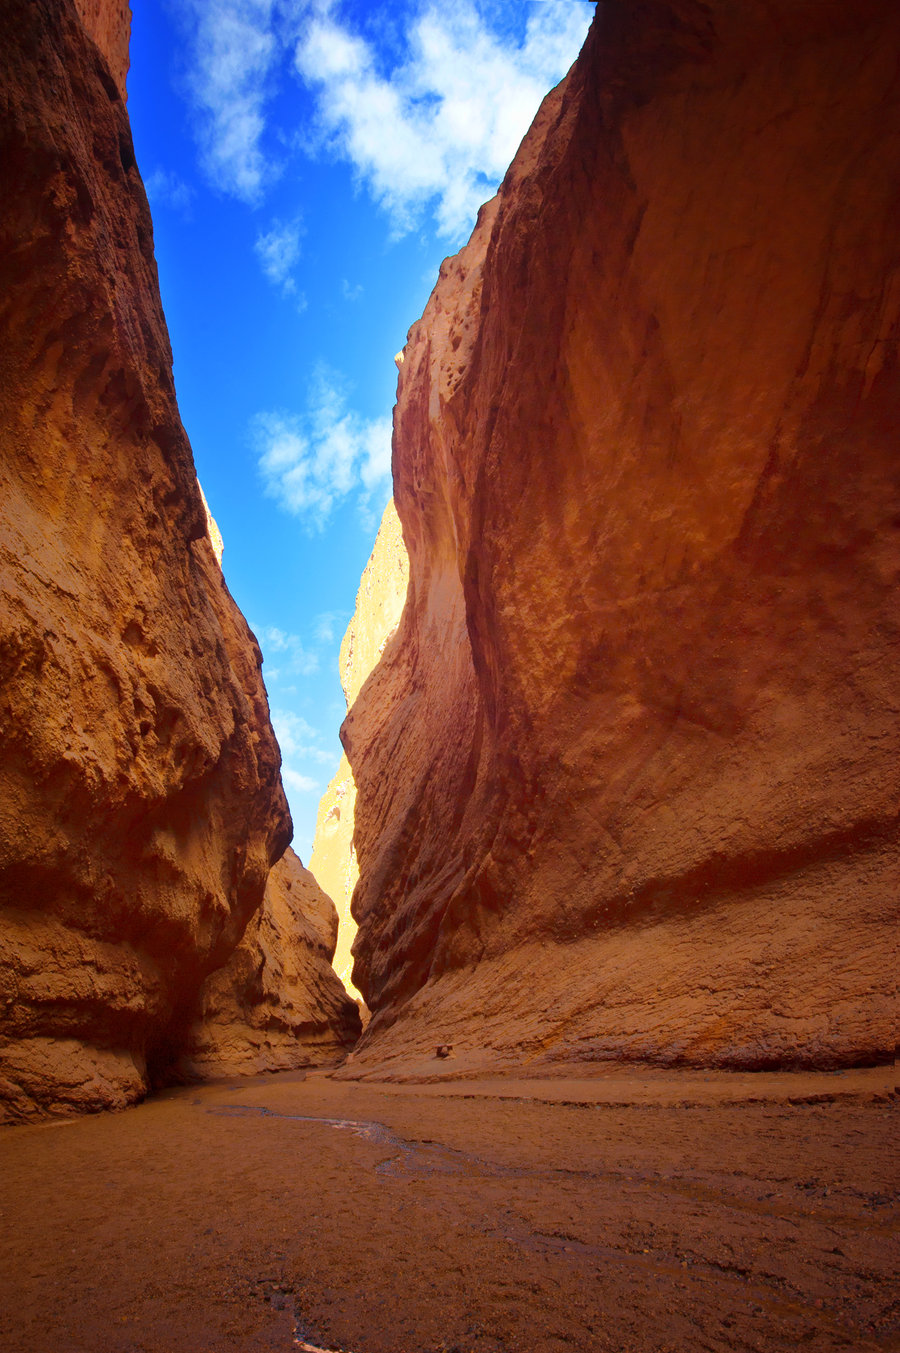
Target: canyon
{"type": "Point", "coordinates": [611, 857]}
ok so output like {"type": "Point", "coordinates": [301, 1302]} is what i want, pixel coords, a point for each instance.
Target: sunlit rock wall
{"type": "Point", "coordinates": [379, 604]}
{"type": "Point", "coordinates": [627, 775]}
{"type": "Point", "coordinates": [108, 22]}
{"type": "Point", "coordinates": [140, 799]}
{"type": "Point", "coordinates": [277, 1004]}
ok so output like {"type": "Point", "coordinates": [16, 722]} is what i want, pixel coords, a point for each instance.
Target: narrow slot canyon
{"type": "Point", "coordinates": [567, 1018]}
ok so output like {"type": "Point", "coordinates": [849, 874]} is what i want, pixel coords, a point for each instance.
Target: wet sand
{"type": "Point", "coordinates": [641, 1212]}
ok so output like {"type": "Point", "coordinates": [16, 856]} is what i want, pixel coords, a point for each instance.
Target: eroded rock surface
{"type": "Point", "coordinates": [140, 799]}
{"type": "Point", "coordinates": [277, 1004]}
{"type": "Point", "coordinates": [379, 605]}
{"type": "Point", "coordinates": [628, 775]}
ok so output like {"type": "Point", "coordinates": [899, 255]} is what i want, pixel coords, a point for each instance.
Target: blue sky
{"type": "Point", "coordinates": [309, 163]}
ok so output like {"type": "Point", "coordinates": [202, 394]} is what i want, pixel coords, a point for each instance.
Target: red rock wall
{"type": "Point", "coordinates": [278, 1003]}
{"type": "Point", "coordinates": [108, 23]}
{"type": "Point", "coordinates": [140, 799]}
{"type": "Point", "coordinates": [628, 774]}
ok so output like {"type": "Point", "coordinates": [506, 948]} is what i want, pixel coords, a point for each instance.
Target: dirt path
{"type": "Point", "coordinates": [629, 1212]}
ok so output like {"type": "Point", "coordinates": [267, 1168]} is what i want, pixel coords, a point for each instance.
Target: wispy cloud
{"type": "Point", "coordinates": [324, 627]}
{"type": "Point", "coordinates": [293, 655]}
{"type": "Point", "coordinates": [440, 128]}
{"type": "Point", "coordinates": [299, 783]}
{"type": "Point", "coordinates": [301, 751]}
{"type": "Point", "coordinates": [167, 189]}
{"type": "Point", "coordinates": [312, 462]}
{"type": "Point", "coordinates": [429, 119]}
{"type": "Point", "coordinates": [278, 251]}
{"type": "Point", "coordinates": [233, 51]}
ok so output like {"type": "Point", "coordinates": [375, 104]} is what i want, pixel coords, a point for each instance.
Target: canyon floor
{"type": "Point", "coordinates": [629, 1210]}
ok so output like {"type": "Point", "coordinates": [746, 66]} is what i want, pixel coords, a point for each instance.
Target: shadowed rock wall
{"type": "Point", "coordinates": [628, 774]}
{"type": "Point", "coordinates": [277, 1004]}
{"type": "Point", "coordinates": [140, 800]}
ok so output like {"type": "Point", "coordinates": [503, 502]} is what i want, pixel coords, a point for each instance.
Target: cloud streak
{"type": "Point", "coordinates": [165, 188]}
{"type": "Point", "coordinates": [312, 462]}
{"type": "Point", "coordinates": [300, 745]}
{"type": "Point", "coordinates": [293, 655]}
{"type": "Point", "coordinates": [278, 251]}
{"type": "Point", "coordinates": [234, 51]}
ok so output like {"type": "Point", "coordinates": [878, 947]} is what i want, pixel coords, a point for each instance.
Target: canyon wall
{"type": "Point", "coordinates": [628, 774]}
{"type": "Point", "coordinates": [379, 605]}
{"type": "Point", "coordinates": [140, 800]}
{"type": "Point", "coordinates": [277, 1004]}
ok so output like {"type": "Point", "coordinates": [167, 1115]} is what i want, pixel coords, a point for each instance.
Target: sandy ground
{"type": "Point", "coordinates": [629, 1211]}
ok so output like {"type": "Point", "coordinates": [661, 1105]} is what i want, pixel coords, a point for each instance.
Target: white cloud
{"type": "Point", "coordinates": [436, 129]}
{"type": "Point", "coordinates": [295, 657]}
{"type": "Point", "coordinates": [311, 463]}
{"type": "Point", "coordinates": [278, 251]}
{"type": "Point", "coordinates": [351, 293]}
{"type": "Point", "coordinates": [165, 188]}
{"type": "Point", "coordinates": [442, 127]}
{"type": "Point", "coordinates": [324, 626]}
{"type": "Point", "coordinates": [291, 730]}
{"type": "Point", "coordinates": [302, 784]}
{"type": "Point", "coordinates": [300, 744]}
{"type": "Point", "coordinates": [233, 51]}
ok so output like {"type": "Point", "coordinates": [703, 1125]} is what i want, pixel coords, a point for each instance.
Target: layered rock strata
{"type": "Point", "coordinates": [379, 605]}
{"type": "Point", "coordinates": [140, 800]}
{"type": "Point", "coordinates": [627, 776]}
{"type": "Point", "coordinates": [277, 1004]}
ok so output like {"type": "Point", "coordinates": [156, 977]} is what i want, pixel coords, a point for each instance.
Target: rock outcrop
{"type": "Point", "coordinates": [140, 800]}
{"type": "Point", "coordinates": [379, 605]}
{"type": "Point", "coordinates": [627, 776]}
{"type": "Point", "coordinates": [277, 1004]}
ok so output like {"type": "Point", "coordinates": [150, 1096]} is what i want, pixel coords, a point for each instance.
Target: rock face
{"type": "Point", "coordinates": [628, 774]}
{"type": "Point", "coordinates": [379, 605]}
{"type": "Point", "coordinates": [140, 800]}
{"type": "Point", "coordinates": [109, 24]}
{"type": "Point", "coordinates": [277, 1004]}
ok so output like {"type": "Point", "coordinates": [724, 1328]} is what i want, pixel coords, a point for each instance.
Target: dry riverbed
{"type": "Point", "coordinates": [639, 1212]}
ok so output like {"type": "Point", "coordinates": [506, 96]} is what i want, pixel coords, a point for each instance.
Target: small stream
{"type": "Point", "coordinates": [423, 1157]}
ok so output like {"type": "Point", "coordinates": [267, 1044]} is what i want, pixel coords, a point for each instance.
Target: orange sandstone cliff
{"type": "Point", "coordinates": [379, 604]}
{"type": "Point", "coordinates": [628, 775]}
{"type": "Point", "coordinates": [140, 800]}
